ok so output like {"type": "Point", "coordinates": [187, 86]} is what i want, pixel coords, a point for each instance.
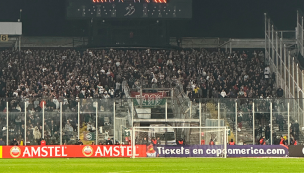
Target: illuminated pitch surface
{"type": "Point", "coordinates": [153, 165]}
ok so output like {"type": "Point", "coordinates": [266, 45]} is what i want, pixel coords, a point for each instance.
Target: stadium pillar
{"type": "Point", "coordinates": [253, 128]}
{"type": "Point", "coordinates": [96, 103]}
{"type": "Point", "coordinates": [25, 123]}
{"type": "Point", "coordinates": [288, 119]}
{"type": "Point", "coordinates": [42, 119]}
{"type": "Point", "coordinates": [7, 123]}
{"type": "Point", "coordinates": [60, 123]}
{"type": "Point", "coordinates": [271, 140]}
{"type": "Point", "coordinates": [114, 122]}
{"type": "Point", "coordinates": [236, 123]}
{"type": "Point", "coordinates": [78, 112]}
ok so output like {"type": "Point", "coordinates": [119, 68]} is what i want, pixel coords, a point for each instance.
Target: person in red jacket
{"type": "Point", "coordinates": [154, 141]}
{"type": "Point", "coordinates": [211, 142]}
{"type": "Point", "coordinates": [42, 142]}
{"type": "Point", "coordinates": [295, 142]}
{"type": "Point", "coordinates": [231, 142]}
{"type": "Point", "coordinates": [180, 142]}
{"type": "Point", "coordinates": [262, 141]}
{"type": "Point", "coordinates": [282, 142]}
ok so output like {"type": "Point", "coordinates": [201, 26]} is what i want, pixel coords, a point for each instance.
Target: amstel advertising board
{"type": "Point", "coordinates": [58, 151]}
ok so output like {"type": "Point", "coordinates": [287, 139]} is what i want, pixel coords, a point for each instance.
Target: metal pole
{"type": "Point", "coordinates": [272, 45]}
{"type": "Point", "coordinates": [298, 92]}
{"type": "Point", "coordinates": [78, 112]}
{"type": "Point", "coordinates": [114, 120]}
{"type": "Point", "coordinates": [293, 80]}
{"type": "Point", "coordinates": [289, 67]}
{"type": "Point", "coordinates": [288, 121]}
{"type": "Point", "coordinates": [277, 58]}
{"type": "Point", "coordinates": [166, 111]}
{"type": "Point", "coordinates": [190, 110]}
{"type": "Point", "coordinates": [302, 36]}
{"type": "Point", "coordinates": [285, 67]}
{"type": "Point", "coordinates": [253, 124]}
{"type": "Point", "coordinates": [43, 120]}
{"type": "Point", "coordinates": [132, 112]}
{"type": "Point", "coordinates": [302, 98]}
{"type": "Point", "coordinates": [7, 123]}
{"type": "Point", "coordinates": [236, 124]}
{"type": "Point", "coordinates": [25, 123]}
{"type": "Point", "coordinates": [19, 40]}
{"type": "Point", "coordinates": [96, 124]}
{"type": "Point", "coordinates": [218, 114]}
{"type": "Point", "coordinates": [225, 141]}
{"type": "Point", "coordinates": [230, 46]}
{"type": "Point", "coordinates": [271, 140]}
{"type": "Point", "coordinates": [265, 15]}
{"type": "Point", "coordinates": [60, 123]}
{"type": "Point", "coordinates": [200, 122]}
{"type": "Point", "coordinates": [281, 61]}
{"type": "Point", "coordinates": [133, 143]}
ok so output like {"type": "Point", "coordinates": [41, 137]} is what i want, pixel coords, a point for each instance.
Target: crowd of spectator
{"type": "Point", "coordinates": [99, 73]}
{"type": "Point", "coordinates": [51, 76]}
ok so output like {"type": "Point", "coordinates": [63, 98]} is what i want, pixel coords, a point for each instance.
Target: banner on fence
{"type": "Point", "coordinates": [57, 151]}
{"type": "Point", "coordinates": [217, 151]}
{"type": "Point", "coordinates": [296, 151]}
{"type": "Point", "coordinates": [149, 99]}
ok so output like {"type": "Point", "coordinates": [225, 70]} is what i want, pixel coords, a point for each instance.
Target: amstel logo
{"type": "Point", "coordinates": [87, 151]}
{"type": "Point", "coordinates": [15, 151]}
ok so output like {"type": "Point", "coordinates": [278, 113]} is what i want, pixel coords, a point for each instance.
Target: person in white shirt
{"type": "Point", "coordinates": [266, 72]}
{"type": "Point", "coordinates": [223, 94]}
{"type": "Point", "coordinates": [112, 92]}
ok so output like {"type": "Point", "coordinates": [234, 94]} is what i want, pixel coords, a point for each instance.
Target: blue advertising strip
{"type": "Point", "coordinates": [217, 151]}
{"type": "Point", "coordinates": [257, 151]}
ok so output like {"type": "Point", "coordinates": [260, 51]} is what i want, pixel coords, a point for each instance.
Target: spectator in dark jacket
{"type": "Point", "coordinates": [280, 92]}
{"type": "Point", "coordinates": [14, 142]}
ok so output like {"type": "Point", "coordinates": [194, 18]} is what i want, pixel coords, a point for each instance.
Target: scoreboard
{"type": "Point", "coordinates": [133, 9]}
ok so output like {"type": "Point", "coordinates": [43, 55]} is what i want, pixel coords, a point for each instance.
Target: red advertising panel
{"type": "Point", "coordinates": [57, 151]}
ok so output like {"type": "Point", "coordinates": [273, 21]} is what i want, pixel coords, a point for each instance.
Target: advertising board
{"type": "Point", "coordinates": [59, 151]}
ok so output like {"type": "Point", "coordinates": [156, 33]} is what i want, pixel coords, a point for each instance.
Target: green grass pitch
{"type": "Point", "coordinates": [146, 165]}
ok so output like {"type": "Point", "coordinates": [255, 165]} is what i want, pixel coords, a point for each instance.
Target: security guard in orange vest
{"type": "Point", "coordinates": [231, 142]}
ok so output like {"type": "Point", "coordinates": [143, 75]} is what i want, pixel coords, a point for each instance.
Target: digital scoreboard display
{"type": "Point", "coordinates": [123, 9]}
